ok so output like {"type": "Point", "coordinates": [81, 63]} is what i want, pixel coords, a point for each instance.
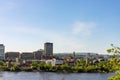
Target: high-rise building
{"type": "Point", "coordinates": [2, 50]}
{"type": "Point", "coordinates": [48, 49]}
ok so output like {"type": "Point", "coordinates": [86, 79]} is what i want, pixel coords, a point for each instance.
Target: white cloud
{"type": "Point", "coordinates": [84, 28]}
{"type": "Point", "coordinates": [66, 43]}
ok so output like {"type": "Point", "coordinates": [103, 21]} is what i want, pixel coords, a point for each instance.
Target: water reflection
{"type": "Point", "coordinates": [52, 76]}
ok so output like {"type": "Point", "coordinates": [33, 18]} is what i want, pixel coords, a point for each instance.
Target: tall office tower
{"type": "Point", "coordinates": [48, 49]}
{"type": "Point", "coordinates": [2, 50]}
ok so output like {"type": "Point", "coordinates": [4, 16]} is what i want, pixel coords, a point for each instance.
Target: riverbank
{"type": "Point", "coordinates": [80, 67]}
{"type": "Point", "coordinates": [59, 69]}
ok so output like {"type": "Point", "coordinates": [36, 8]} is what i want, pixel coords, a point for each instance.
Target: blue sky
{"type": "Point", "coordinates": [74, 25]}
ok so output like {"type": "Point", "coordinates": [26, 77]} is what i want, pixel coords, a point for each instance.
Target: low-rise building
{"type": "Point", "coordinates": [27, 56]}
{"type": "Point", "coordinates": [12, 55]}
{"type": "Point", "coordinates": [59, 61]}
{"type": "Point", "coordinates": [50, 62]}
{"type": "Point", "coordinates": [38, 54]}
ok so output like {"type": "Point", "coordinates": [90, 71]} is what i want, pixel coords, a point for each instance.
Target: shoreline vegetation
{"type": "Point", "coordinates": [81, 67]}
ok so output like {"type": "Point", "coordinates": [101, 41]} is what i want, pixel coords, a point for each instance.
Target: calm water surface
{"type": "Point", "coordinates": [53, 76]}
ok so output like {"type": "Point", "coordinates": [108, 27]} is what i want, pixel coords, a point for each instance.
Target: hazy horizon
{"type": "Point", "coordinates": [79, 25]}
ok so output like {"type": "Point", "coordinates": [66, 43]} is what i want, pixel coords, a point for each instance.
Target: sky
{"type": "Point", "coordinates": [71, 25]}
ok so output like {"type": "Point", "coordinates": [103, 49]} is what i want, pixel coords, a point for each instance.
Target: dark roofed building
{"type": "Point", "coordinates": [12, 55]}
{"type": "Point", "coordinates": [27, 56]}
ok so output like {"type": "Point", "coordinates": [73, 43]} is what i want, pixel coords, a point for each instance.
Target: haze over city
{"type": "Point", "coordinates": [80, 25]}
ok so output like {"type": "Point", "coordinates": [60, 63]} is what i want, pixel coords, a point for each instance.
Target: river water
{"type": "Point", "coordinates": [53, 76]}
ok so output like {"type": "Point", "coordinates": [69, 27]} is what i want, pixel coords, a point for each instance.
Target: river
{"type": "Point", "coordinates": [53, 76]}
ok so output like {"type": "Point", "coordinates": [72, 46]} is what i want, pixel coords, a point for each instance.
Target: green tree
{"type": "Point", "coordinates": [2, 63]}
{"type": "Point", "coordinates": [15, 67]}
{"type": "Point", "coordinates": [40, 66]}
{"type": "Point", "coordinates": [115, 50]}
{"type": "Point", "coordinates": [115, 65]}
{"type": "Point", "coordinates": [65, 67]}
{"type": "Point", "coordinates": [34, 65]}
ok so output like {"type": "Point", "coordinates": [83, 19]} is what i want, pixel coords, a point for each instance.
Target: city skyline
{"type": "Point", "coordinates": [80, 26]}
